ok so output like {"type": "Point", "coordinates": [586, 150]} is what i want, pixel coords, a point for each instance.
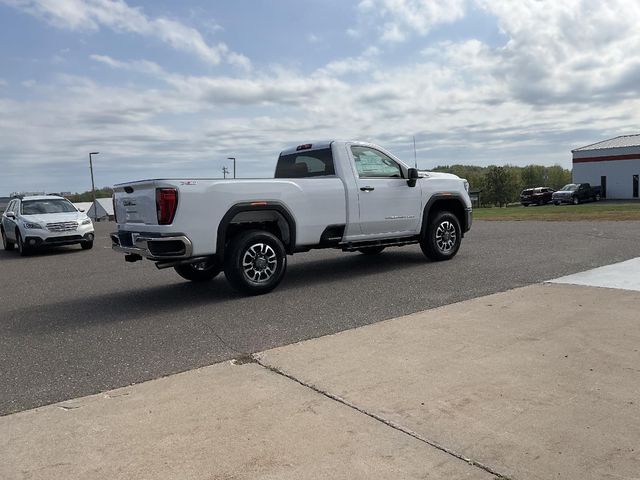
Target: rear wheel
{"type": "Point", "coordinates": [556, 203]}
{"type": "Point", "coordinates": [200, 271]}
{"type": "Point", "coordinates": [23, 249]}
{"type": "Point", "coordinates": [6, 243]}
{"type": "Point", "coordinates": [371, 250]}
{"type": "Point", "coordinates": [442, 237]}
{"type": "Point", "coordinates": [255, 262]}
{"type": "Point", "coordinates": [596, 198]}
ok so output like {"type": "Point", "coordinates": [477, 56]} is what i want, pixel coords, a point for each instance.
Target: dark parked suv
{"type": "Point", "coordinates": [536, 196]}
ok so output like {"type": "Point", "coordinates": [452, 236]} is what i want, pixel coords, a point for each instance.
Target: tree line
{"type": "Point", "coordinates": [103, 192]}
{"type": "Point", "coordinates": [500, 186]}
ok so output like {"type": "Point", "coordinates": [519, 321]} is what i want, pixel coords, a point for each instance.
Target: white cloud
{"type": "Point", "coordinates": [401, 18]}
{"type": "Point", "coordinates": [83, 15]}
{"type": "Point", "coordinates": [570, 51]}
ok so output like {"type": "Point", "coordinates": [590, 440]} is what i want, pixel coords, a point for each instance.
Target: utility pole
{"type": "Point", "coordinates": [234, 165]}
{"type": "Point", "coordinates": [225, 171]}
{"type": "Point", "coordinates": [93, 186]}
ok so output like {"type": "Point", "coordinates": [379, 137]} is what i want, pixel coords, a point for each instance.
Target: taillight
{"type": "Point", "coordinates": [166, 204]}
{"type": "Point", "coordinates": [113, 201]}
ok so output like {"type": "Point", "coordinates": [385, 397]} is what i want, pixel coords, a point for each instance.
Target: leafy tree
{"type": "Point", "coordinates": [504, 186]}
{"type": "Point", "coordinates": [499, 185]}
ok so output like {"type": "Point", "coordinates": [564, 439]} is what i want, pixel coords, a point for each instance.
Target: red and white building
{"type": "Point", "coordinates": [613, 164]}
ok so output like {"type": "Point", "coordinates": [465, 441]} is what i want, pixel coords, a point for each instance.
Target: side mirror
{"type": "Point", "coordinates": [11, 215]}
{"type": "Point", "coordinates": [413, 177]}
{"type": "Point", "coordinates": [81, 210]}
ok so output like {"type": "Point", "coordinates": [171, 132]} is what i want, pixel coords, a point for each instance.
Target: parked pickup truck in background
{"type": "Point", "coordinates": [576, 193]}
{"type": "Point", "coordinates": [352, 196]}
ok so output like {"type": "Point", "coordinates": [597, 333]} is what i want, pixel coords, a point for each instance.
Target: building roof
{"type": "Point", "coordinates": [106, 204]}
{"type": "Point", "coordinates": [83, 205]}
{"type": "Point", "coordinates": [618, 142]}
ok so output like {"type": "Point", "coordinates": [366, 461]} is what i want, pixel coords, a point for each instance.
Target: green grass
{"type": "Point", "coordinates": [586, 211]}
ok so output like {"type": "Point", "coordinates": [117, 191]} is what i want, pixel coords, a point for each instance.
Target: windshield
{"type": "Point", "coordinates": [570, 187]}
{"type": "Point", "coordinates": [55, 205]}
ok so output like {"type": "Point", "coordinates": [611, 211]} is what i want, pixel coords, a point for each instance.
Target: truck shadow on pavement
{"type": "Point", "coordinates": [185, 296]}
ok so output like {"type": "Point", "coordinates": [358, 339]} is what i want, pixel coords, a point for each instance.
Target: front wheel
{"type": "Point", "coordinates": [442, 237]}
{"type": "Point", "coordinates": [200, 271]}
{"type": "Point", "coordinates": [556, 203]}
{"type": "Point", "coordinates": [87, 245]}
{"type": "Point", "coordinates": [23, 250]}
{"type": "Point", "coordinates": [255, 262]}
{"type": "Point", "coordinates": [576, 200]}
{"type": "Point", "coordinates": [6, 243]}
{"type": "Point", "coordinates": [371, 250]}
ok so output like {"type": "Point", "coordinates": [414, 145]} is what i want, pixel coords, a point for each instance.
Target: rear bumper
{"type": "Point", "coordinates": [153, 247]}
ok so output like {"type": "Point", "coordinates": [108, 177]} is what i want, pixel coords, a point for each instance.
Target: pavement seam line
{"type": "Point", "coordinates": [388, 423]}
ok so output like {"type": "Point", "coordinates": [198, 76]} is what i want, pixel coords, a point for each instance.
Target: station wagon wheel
{"type": "Point", "coordinates": [255, 262]}
{"type": "Point", "coordinates": [23, 250]}
{"type": "Point", "coordinates": [441, 238]}
{"type": "Point", "coordinates": [6, 243]}
{"type": "Point", "coordinates": [576, 200]}
{"type": "Point", "coordinates": [199, 272]}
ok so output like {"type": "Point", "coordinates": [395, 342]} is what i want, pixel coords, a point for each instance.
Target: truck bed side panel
{"type": "Point", "coordinates": [314, 203]}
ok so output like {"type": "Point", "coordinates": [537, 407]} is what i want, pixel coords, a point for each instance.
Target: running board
{"type": "Point", "coordinates": [387, 242]}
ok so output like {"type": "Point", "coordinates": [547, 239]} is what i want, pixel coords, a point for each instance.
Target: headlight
{"type": "Point", "coordinates": [32, 226]}
{"type": "Point", "coordinates": [86, 221]}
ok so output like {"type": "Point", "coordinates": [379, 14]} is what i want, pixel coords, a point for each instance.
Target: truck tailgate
{"type": "Point", "coordinates": [135, 203]}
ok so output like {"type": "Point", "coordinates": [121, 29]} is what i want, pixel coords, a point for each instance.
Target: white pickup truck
{"type": "Point", "coordinates": [353, 196]}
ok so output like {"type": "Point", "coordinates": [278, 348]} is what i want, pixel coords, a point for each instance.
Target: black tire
{"type": "Point", "coordinates": [596, 198]}
{"type": "Point", "coordinates": [371, 250]}
{"type": "Point", "coordinates": [23, 250]}
{"type": "Point", "coordinates": [556, 203]}
{"type": "Point", "coordinates": [6, 243]}
{"type": "Point", "coordinates": [442, 236]}
{"type": "Point", "coordinates": [88, 245]}
{"type": "Point", "coordinates": [200, 271]}
{"type": "Point", "coordinates": [575, 200]}
{"type": "Point", "coordinates": [255, 262]}
{"type": "Point", "coordinates": [525, 204]}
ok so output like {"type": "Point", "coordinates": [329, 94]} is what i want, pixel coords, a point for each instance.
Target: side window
{"type": "Point", "coordinates": [371, 163]}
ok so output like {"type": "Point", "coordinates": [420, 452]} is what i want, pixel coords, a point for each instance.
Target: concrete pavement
{"type": "Point", "coordinates": [534, 383]}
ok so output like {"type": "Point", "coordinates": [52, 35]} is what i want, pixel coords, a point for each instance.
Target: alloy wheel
{"type": "Point", "coordinates": [259, 263]}
{"type": "Point", "coordinates": [446, 236]}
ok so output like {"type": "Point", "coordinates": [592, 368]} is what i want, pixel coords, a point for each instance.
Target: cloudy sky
{"type": "Point", "coordinates": [164, 88]}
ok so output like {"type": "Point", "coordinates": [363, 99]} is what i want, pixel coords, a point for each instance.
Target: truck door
{"type": "Point", "coordinates": [387, 203]}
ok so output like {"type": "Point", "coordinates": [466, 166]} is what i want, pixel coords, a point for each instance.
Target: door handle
{"type": "Point", "coordinates": [367, 189]}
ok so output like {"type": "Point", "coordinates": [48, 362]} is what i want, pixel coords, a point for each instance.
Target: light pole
{"type": "Point", "coordinates": [93, 186]}
{"type": "Point", "coordinates": [234, 165]}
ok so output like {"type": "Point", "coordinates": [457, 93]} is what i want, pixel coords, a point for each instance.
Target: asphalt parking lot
{"type": "Point", "coordinates": [76, 322]}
